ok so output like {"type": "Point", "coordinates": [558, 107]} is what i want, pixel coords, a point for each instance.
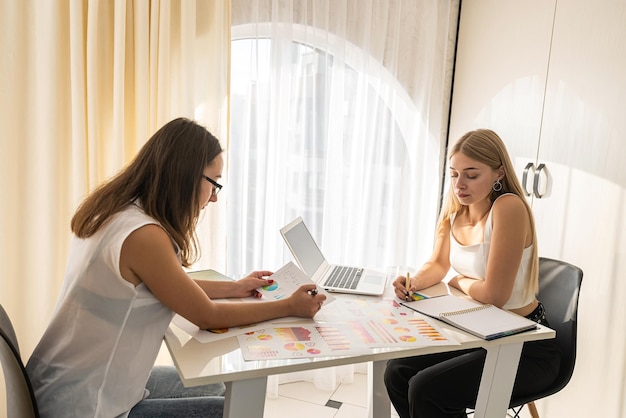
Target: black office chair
{"type": "Point", "coordinates": [21, 401]}
{"type": "Point", "coordinates": [559, 288]}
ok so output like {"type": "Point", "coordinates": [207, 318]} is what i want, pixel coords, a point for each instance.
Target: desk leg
{"type": "Point", "coordinates": [496, 384]}
{"type": "Point", "coordinates": [245, 398]}
{"type": "Point", "coordinates": [378, 400]}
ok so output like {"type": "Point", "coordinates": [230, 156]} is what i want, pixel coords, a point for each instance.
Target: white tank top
{"type": "Point", "coordinates": [471, 261]}
{"type": "Point", "coordinates": [96, 355]}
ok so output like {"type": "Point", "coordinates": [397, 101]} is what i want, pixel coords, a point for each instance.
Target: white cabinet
{"type": "Point", "coordinates": [550, 78]}
{"type": "Point", "coordinates": [502, 62]}
{"type": "Point", "coordinates": [501, 69]}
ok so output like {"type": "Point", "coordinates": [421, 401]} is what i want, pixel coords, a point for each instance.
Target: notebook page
{"type": "Point", "coordinates": [435, 306]}
{"type": "Point", "coordinates": [490, 322]}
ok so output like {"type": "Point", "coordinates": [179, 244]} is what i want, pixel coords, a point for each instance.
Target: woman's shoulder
{"type": "Point", "coordinates": [134, 212]}
{"type": "Point", "coordinates": [509, 199]}
{"type": "Point", "coordinates": [509, 204]}
{"type": "Point", "coordinates": [128, 220]}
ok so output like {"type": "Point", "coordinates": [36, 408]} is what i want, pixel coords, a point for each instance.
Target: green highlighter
{"type": "Point", "coordinates": [418, 296]}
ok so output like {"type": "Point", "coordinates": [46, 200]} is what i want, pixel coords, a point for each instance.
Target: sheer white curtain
{"type": "Point", "coordinates": [338, 114]}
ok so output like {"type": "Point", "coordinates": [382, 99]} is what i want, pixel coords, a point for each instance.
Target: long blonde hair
{"type": "Point", "coordinates": [165, 177]}
{"type": "Point", "coordinates": [486, 146]}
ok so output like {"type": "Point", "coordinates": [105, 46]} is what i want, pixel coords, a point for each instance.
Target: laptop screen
{"type": "Point", "coordinates": [304, 248]}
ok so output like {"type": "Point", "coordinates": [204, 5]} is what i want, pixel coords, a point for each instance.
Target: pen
{"type": "Point", "coordinates": [407, 283]}
{"type": "Point", "coordinates": [313, 292]}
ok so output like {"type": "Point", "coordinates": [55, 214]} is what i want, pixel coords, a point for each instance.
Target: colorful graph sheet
{"type": "Point", "coordinates": [206, 336]}
{"type": "Point", "coordinates": [340, 338]}
{"type": "Point", "coordinates": [286, 281]}
{"type": "Point", "coordinates": [363, 308]}
{"type": "Point", "coordinates": [282, 342]}
{"type": "Point", "coordinates": [349, 326]}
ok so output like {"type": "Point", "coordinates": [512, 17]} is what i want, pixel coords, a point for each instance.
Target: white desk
{"type": "Point", "coordinates": [222, 361]}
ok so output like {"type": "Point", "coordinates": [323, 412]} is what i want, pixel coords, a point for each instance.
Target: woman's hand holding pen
{"type": "Point", "coordinates": [402, 287]}
{"type": "Point", "coordinates": [306, 302]}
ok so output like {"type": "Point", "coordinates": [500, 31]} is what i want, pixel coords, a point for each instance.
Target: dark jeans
{"type": "Point", "coordinates": [169, 398]}
{"type": "Point", "coordinates": [446, 384]}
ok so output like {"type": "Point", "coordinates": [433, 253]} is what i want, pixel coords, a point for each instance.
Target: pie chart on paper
{"type": "Point", "coordinates": [407, 338]}
{"type": "Point", "coordinates": [294, 346]}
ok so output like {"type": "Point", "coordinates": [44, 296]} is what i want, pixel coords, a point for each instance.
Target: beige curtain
{"type": "Point", "coordinates": [83, 84]}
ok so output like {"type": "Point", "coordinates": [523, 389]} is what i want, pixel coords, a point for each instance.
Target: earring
{"type": "Point", "coordinates": [497, 186]}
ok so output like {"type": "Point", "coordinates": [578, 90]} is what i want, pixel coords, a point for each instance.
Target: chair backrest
{"type": "Point", "coordinates": [20, 397]}
{"type": "Point", "coordinates": [7, 328]}
{"type": "Point", "coordinates": [559, 289]}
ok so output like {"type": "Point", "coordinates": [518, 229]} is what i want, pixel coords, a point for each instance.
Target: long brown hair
{"type": "Point", "coordinates": [487, 147]}
{"type": "Point", "coordinates": [165, 178]}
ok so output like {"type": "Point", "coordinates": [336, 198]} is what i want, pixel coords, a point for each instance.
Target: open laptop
{"type": "Point", "coordinates": [334, 278]}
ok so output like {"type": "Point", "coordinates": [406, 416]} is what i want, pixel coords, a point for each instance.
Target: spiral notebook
{"type": "Point", "coordinates": [485, 321]}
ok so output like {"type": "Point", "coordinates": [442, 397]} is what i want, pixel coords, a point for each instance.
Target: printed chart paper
{"type": "Point", "coordinates": [361, 307]}
{"type": "Point", "coordinates": [340, 338]}
{"type": "Point", "coordinates": [286, 281]}
{"type": "Point", "coordinates": [206, 336]}
{"type": "Point", "coordinates": [351, 325]}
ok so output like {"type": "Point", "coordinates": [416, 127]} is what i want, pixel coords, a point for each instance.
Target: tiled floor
{"type": "Point", "coordinates": [348, 400]}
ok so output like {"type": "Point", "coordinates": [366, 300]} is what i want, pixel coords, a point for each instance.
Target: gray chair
{"type": "Point", "coordinates": [559, 288]}
{"type": "Point", "coordinates": [21, 401]}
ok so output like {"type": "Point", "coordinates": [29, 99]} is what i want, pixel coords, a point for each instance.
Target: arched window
{"type": "Point", "coordinates": [321, 129]}
{"type": "Point", "coordinates": [338, 114]}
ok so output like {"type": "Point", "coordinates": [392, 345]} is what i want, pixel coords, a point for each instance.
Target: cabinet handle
{"type": "Point", "coordinates": [540, 168]}
{"type": "Point", "coordinates": [528, 167]}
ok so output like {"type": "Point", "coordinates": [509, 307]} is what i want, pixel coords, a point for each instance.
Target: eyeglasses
{"type": "Point", "coordinates": [216, 186]}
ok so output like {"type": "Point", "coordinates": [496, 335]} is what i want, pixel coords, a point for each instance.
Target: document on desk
{"type": "Point", "coordinates": [340, 338]}
{"type": "Point", "coordinates": [209, 336]}
{"type": "Point", "coordinates": [286, 280]}
{"type": "Point", "coordinates": [350, 326]}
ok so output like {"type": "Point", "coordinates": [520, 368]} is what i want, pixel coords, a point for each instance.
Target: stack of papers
{"type": "Point", "coordinates": [348, 326]}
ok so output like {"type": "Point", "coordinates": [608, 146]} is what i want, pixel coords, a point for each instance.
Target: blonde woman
{"type": "Point", "coordinates": [486, 233]}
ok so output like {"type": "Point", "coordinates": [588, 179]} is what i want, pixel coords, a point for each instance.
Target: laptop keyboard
{"type": "Point", "coordinates": [344, 277]}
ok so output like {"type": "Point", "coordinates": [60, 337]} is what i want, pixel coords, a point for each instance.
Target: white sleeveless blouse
{"type": "Point", "coordinates": [471, 261]}
{"type": "Point", "coordinates": [96, 355]}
